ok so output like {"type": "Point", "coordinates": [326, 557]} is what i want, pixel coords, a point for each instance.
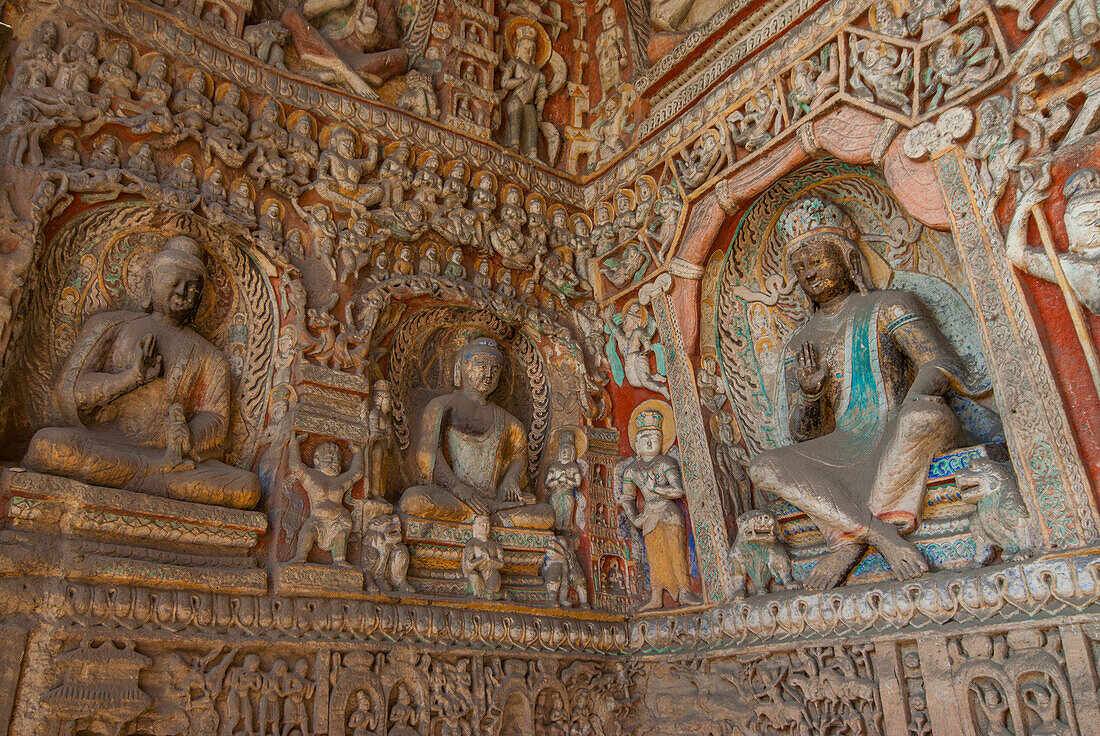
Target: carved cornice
{"type": "Point", "coordinates": [694, 40]}
{"type": "Point", "coordinates": [476, 625]}
{"type": "Point", "coordinates": [825, 26]}
{"type": "Point", "coordinates": [477, 51]}
{"type": "Point", "coordinates": [1007, 593]}
{"type": "Point", "coordinates": [470, 88]}
{"type": "Point", "coordinates": [1053, 586]}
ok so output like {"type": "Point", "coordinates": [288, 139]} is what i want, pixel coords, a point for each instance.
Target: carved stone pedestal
{"type": "Point", "coordinates": [103, 534]}
{"type": "Point", "coordinates": [306, 579]}
{"type": "Point", "coordinates": [436, 551]}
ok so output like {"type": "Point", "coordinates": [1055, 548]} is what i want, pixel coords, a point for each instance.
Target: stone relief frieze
{"type": "Point", "coordinates": [141, 21]}
{"type": "Point", "coordinates": [313, 690]}
{"type": "Point", "coordinates": [426, 409]}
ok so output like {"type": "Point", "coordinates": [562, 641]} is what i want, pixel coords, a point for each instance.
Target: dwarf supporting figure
{"type": "Point", "coordinates": [329, 523]}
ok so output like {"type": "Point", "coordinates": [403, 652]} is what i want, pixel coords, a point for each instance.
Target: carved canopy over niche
{"type": "Point", "coordinates": [98, 263]}
{"type": "Point", "coordinates": [752, 303]}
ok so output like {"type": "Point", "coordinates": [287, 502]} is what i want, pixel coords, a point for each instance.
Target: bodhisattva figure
{"type": "Point", "coordinates": [329, 523]}
{"type": "Point", "coordinates": [454, 269]}
{"type": "Point", "coordinates": [657, 477]}
{"type": "Point", "coordinates": [523, 91]}
{"type": "Point", "coordinates": [241, 682]}
{"type": "Point", "coordinates": [712, 389]}
{"type": "Point", "coordinates": [865, 379]}
{"type": "Point", "coordinates": [144, 400]}
{"type": "Point", "coordinates": [471, 459]}
{"type": "Point", "coordinates": [404, 716]}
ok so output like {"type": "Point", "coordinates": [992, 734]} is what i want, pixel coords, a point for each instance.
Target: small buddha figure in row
{"type": "Point", "coordinates": [471, 457]}
{"type": "Point", "coordinates": [143, 400]}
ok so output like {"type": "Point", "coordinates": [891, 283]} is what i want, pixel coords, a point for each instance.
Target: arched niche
{"type": "Point", "coordinates": [518, 717]}
{"type": "Point", "coordinates": [750, 302]}
{"type": "Point", "coordinates": [97, 262]}
{"type": "Point", "coordinates": [542, 382]}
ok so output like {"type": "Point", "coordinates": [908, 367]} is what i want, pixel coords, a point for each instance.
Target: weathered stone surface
{"type": "Point", "coordinates": [373, 368]}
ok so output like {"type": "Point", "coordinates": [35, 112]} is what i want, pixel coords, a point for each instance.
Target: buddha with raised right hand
{"type": "Point", "coordinates": [863, 385]}
{"type": "Point", "coordinates": [143, 400]}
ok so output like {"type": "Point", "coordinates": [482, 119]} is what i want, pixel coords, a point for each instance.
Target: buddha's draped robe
{"type": "Point", "coordinates": [860, 449]}
{"type": "Point", "coordinates": [478, 460]}
{"type": "Point", "coordinates": [121, 444]}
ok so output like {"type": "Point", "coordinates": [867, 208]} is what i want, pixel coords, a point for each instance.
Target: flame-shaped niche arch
{"type": "Point", "coordinates": [98, 262]}
{"type": "Point", "coordinates": [751, 302]}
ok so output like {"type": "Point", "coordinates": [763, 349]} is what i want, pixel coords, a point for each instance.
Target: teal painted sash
{"type": "Point", "coordinates": [858, 422]}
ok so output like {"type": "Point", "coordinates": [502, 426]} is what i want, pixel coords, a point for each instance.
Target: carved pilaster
{"type": "Point", "coordinates": [1046, 458]}
{"type": "Point", "coordinates": [943, 710]}
{"type": "Point", "coordinates": [891, 688]}
{"type": "Point", "coordinates": [703, 501]}
{"type": "Point", "coordinates": [1081, 670]}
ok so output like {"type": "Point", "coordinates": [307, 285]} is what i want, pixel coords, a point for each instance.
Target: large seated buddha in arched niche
{"type": "Point", "coordinates": [138, 353]}
{"type": "Point", "coordinates": [470, 457]}
{"type": "Point", "coordinates": [850, 352]}
{"type": "Point", "coordinates": [467, 426]}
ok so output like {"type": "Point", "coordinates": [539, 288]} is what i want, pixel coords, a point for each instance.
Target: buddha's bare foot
{"type": "Point", "coordinates": [655, 601]}
{"type": "Point", "coordinates": [831, 569]}
{"type": "Point", "coordinates": [689, 598]}
{"type": "Point", "coordinates": [905, 560]}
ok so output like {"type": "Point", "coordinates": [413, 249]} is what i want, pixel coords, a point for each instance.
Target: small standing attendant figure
{"type": "Point", "coordinates": [482, 560]}
{"type": "Point", "coordinates": [563, 481]}
{"type": "Point", "coordinates": [656, 476]}
{"type": "Point", "coordinates": [382, 445]}
{"type": "Point", "coordinates": [523, 88]}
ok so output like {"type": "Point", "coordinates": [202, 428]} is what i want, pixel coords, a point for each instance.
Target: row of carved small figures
{"type": "Point", "coordinates": [399, 692]}
{"type": "Point", "coordinates": [349, 175]}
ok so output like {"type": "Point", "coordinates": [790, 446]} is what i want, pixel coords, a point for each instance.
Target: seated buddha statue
{"type": "Point", "coordinates": [471, 457]}
{"type": "Point", "coordinates": [862, 392]}
{"type": "Point", "coordinates": [143, 400]}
